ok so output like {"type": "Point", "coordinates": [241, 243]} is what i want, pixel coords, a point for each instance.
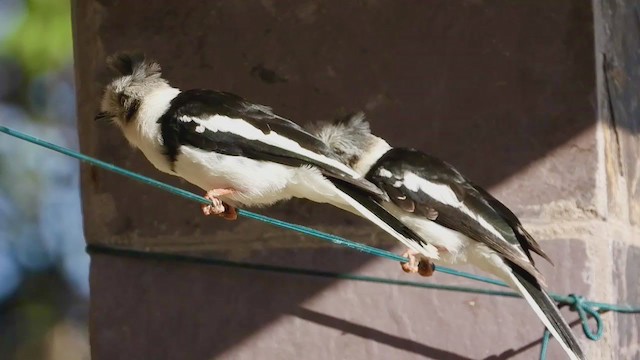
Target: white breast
{"type": "Point", "coordinates": [144, 132]}
{"type": "Point", "coordinates": [256, 182]}
{"type": "Point", "coordinates": [455, 248]}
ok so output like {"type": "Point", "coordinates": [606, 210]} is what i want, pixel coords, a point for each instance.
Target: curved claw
{"type": "Point", "coordinates": [217, 206]}
{"type": "Point", "coordinates": [412, 265]}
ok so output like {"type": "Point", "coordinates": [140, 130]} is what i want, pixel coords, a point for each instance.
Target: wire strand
{"type": "Point", "coordinates": [585, 309]}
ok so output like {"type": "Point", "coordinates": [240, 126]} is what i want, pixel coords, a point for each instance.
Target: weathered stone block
{"type": "Point", "coordinates": [627, 283]}
{"type": "Point", "coordinates": [621, 77]}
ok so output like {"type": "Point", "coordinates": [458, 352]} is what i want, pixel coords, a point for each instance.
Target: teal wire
{"type": "Point", "coordinates": [454, 272]}
{"type": "Point", "coordinates": [197, 198]}
{"type": "Point", "coordinates": [191, 196]}
{"type": "Point", "coordinates": [583, 307]}
{"type": "Point", "coordinates": [545, 344]}
{"type": "Point", "coordinates": [577, 303]}
{"type": "Point", "coordinates": [127, 252]}
{"type": "Point", "coordinates": [571, 300]}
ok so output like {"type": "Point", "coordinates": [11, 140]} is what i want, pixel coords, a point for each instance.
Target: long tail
{"type": "Point", "coordinates": [524, 282]}
{"type": "Point", "coordinates": [547, 311]}
{"type": "Point", "coordinates": [368, 208]}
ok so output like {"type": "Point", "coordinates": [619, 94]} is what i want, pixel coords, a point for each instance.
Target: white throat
{"type": "Point", "coordinates": [373, 153]}
{"type": "Point", "coordinates": [144, 131]}
{"type": "Point", "coordinates": [145, 128]}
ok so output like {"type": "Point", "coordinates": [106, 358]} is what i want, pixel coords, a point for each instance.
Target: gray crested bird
{"type": "Point", "coordinates": [463, 221]}
{"type": "Point", "coordinates": [241, 154]}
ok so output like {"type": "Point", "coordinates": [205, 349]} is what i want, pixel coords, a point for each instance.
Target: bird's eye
{"type": "Point", "coordinates": [122, 99]}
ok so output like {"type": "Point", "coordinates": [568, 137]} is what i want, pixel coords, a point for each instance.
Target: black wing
{"type": "Point", "coordinates": [182, 124]}
{"type": "Point", "coordinates": [429, 187]}
{"type": "Point", "coordinates": [526, 240]}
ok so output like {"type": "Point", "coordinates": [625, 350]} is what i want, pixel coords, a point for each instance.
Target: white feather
{"type": "Point", "coordinates": [257, 183]}
{"type": "Point", "coordinates": [369, 157]}
{"type": "Point", "coordinates": [440, 192]}
{"type": "Point", "coordinates": [455, 243]}
{"type": "Point", "coordinates": [384, 173]}
{"type": "Point", "coordinates": [445, 195]}
{"type": "Point", "coordinates": [144, 129]}
{"type": "Point", "coordinates": [220, 123]}
{"type": "Point", "coordinates": [427, 250]}
{"type": "Point", "coordinates": [254, 182]}
{"type": "Point", "coordinates": [144, 132]}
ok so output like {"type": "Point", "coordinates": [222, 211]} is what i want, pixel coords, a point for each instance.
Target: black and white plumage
{"type": "Point", "coordinates": [241, 153]}
{"type": "Point", "coordinates": [463, 221]}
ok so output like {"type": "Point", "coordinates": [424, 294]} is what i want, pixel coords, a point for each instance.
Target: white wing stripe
{"type": "Point", "coordinates": [220, 123]}
{"type": "Point", "coordinates": [443, 194]}
{"type": "Point", "coordinates": [439, 192]}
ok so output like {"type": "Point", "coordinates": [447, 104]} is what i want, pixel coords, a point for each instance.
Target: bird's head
{"type": "Point", "coordinates": [349, 137]}
{"type": "Point", "coordinates": [136, 78]}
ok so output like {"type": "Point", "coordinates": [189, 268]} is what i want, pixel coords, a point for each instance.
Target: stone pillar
{"type": "Point", "coordinates": [617, 34]}
{"type": "Point", "coordinates": [533, 100]}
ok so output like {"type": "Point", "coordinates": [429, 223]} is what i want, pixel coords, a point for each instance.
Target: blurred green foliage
{"type": "Point", "coordinates": [42, 312]}
{"type": "Point", "coordinates": [42, 41]}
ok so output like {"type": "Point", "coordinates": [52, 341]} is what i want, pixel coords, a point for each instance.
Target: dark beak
{"type": "Point", "coordinates": [102, 116]}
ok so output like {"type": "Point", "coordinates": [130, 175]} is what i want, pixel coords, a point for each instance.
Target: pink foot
{"type": "Point", "coordinates": [217, 207]}
{"type": "Point", "coordinates": [424, 267]}
{"type": "Point", "coordinates": [412, 265]}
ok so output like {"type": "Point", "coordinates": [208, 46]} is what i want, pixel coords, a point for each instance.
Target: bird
{"type": "Point", "coordinates": [462, 220]}
{"type": "Point", "coordinates": [242, 154]}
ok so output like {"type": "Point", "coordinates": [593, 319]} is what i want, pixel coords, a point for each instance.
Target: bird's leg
{"type": "Point", "coordinates": [412, 265]}
{"type": "Point", "coordinates": [217, 207]}
{"type": "Point", "coordinates": [423, 266]}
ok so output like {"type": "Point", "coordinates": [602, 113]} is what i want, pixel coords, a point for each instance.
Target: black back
{"type": "Point", "coordinates": [203, 105]}
{"type": "Point", "coordinates": [479, 202]}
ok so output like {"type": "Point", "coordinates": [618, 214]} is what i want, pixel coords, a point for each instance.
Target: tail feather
{"type": "Point", "coordinates": [368, 208]}
{"type": "Point", "coordinates": [547, 311]}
